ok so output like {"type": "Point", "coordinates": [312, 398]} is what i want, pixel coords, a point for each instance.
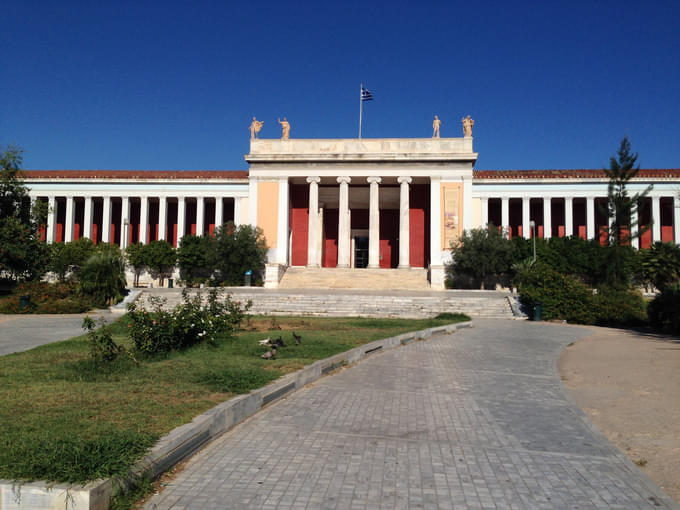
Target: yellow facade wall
{"type": "Point", "coordinates": [477, 213]}
{"type": "Point", "coordinates": [451, 213]}
{"type": "Point", "coordinates": [268, 210]}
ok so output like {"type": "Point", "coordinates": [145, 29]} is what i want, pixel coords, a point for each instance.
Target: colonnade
{"type": "Point", "coordinates": [664, 227]}
{"type": "Point", "coordinates": [344, 227]}
{"type": "Point", "coordinates": [141, 215]}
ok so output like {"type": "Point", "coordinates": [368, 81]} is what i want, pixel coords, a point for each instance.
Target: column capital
{"type": "Point", "coordinates": [372, 180]}
{"type": "Point", "coordinates": [314, 179]}
{"type": "Point", "coordinates": [345, 179]}
{"type": "Point", "coordinates": [404, 179]}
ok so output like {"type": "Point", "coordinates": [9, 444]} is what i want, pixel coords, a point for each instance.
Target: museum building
{"type": "Point", "coordinates": [391, 203]}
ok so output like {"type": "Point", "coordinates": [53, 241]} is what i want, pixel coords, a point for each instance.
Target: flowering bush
{"type": "Point", "coordinates": [189, 323]}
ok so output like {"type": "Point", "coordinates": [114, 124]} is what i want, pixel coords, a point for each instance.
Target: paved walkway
{"type": "Point", "coordinates": [23, 332]}
{"type": "Point", "coordinates": [475, 420]}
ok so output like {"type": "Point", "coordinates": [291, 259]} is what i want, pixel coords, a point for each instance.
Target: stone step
{"type": "Point", "coordinates": [359, 305]}
{"type": "Point", "coordinates": [351, 278]}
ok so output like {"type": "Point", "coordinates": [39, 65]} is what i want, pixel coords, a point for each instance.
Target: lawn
{"type": "Point", "coordinates": [66, 419]}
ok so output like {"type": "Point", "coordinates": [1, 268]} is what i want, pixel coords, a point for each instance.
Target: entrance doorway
{"type": "Point", "coordinates": [361, 252]}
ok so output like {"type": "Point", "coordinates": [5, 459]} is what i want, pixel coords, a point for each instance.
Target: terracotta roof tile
{"type": "Point", "coordinates": [657, 173]}
{"type": "Point", "coordinates": [135, 174]}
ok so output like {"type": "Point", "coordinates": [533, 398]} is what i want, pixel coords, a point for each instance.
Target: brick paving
{"type": "Point", "coordinates": [474, 420]}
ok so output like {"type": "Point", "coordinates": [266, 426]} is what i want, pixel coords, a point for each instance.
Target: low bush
{"type": "Point", "coordinates": [191, 322]}
{"type": "Point", "coordinates": [61, 297]}
{"type": "Point", "coordinates": [664, 310]}
{"type": "Point", "coordinates": [619, 307]}
{"type": "Point", "coordinates": [562, 297]}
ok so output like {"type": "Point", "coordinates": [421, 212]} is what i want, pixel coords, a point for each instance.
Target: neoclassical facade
{"type": "Point", "coordinates": [347, 203]}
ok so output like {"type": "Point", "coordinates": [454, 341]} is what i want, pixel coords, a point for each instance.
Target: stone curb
{"type": "Point", "coordinates": [186, 439]}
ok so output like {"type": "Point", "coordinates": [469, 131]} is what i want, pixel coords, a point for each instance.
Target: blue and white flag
{"type": "Point", "coordinates": [366, 95]}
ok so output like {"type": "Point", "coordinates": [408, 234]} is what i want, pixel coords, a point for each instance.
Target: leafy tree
{"type": "Point", "coordinates": [135, 255]}
{"type": "Point", "coordinates": [480, 253]}
{"type": "Point", "coordinates": [621, 210]}
{"type": "Point", "coordinates": [160, 257]}
{"type": "Point", "coordinates": [194, 258]}
{"type": "Point", "coordinates": [660, 264]}
{"type": "Point", "coordinates": [237, 250]}
{"type": "Point", "coordinates": [22, 254]}
{"type": "Point", "coordinates": [70, 257]}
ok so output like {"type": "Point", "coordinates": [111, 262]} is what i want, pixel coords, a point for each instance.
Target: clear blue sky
{"type": "Point", "coordinates": [173, 85]}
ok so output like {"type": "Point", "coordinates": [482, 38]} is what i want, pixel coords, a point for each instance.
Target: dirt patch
{"type": "Point", "coordinates": [629, 385]}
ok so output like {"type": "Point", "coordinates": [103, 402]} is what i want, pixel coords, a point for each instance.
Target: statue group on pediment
{"type": "Point", "coordinates": [256, 126]}
{"type": "Point", "coordinates": [467, 126]}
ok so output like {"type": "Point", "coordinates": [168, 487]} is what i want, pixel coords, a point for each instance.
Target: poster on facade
{"type": "Point", "coordinates": [451, 215]}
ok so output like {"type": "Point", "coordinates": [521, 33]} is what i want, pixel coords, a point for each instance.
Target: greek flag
{"type": "Point", "coordinates": [366, 95]}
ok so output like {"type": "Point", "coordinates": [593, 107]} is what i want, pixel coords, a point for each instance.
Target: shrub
{"type": "Point", "coordinates": [619, 307]}
{"type": "Point", "coordinates": [47, 298]}
{"type": "Point", "coordinates": [189, 323]}
{"type": "Point", "coordinates": [103, 278]}
{"type": "Point", "coordinates": [664, 310]}
{"type": "Point", "coordinates": [480, 253]}
{"type": "Point", "coordinates": [562, 296]}
{"type": "Point", "coordinates": [102, 346]}
{"type": "Point", "coordinates": [660, 264]}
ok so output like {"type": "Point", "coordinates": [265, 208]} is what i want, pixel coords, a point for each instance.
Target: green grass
{"type": "Point", "coordinates": [65, 418]}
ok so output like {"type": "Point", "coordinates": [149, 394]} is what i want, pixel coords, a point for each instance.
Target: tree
{"type": "Point", "coordinates": [237, 249]}
{"type": "Point", "coordinates": [22, 254]}
{"type": "Point", "coordinates": [621, 209]}
{"type": "Point", "coordinates": [70, 257]}
{"type": "Point", "coordinates": [193, 258]}
{"type": "Point", "coordinates": [134, 254]}
{"type": "Point", "coordinates": [160, 257]}
{"type": "Point", "coordinates": [480, 253]}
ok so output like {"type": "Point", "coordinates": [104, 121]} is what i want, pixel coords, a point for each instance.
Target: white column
{"type": "Point", "coordinates": [547, 218]}
{"type": "Point", "coordinates": [676, 219]}
{"type": "Point", "coordinates": [219, 211]}
{"type": "Point", "coordinates": [106, 220]}
{"type": "Point", "coordinates": [51, 234]}
{"type": "Point", "coordinates": [200, 215]}
{"type": "Point", "coordinates": [181, 218]}
{"type": "Point", "coordinates": [313, 223]}
{"type": "Point", "coordinates": [68, 230]}
{"type": "Point", "coordinates": [404, 223]}
{"type": "Point", "coordinates": [568, 216]}
{"type": "Point", "coordinates": [590, 217]}
{"type": "Point", "coordinates": [237, 211]}
{"type": "Point", "coordinates": [87, 218]}
{"type": "Point", "coordinates": [343, 223]}
{"type": "Point", "coordinates": [144, 220]}
{"type": "Point", "coordinates": [656, 219]}
{"type": "Point", "coordinates": [526, 217]}
{"type": "Point", "coordinates": [634, 229]}
{"type": "Point", "coordinates": [374, 223]}
{"type": "Point", "coordinates": [124, 222]}
{"type": "Point", "coordinates": [505, 213]}
{"type": "Point", "coordinates": [435, 223]}
{"type": "Point", "coordinates": [282, 231]}
{"type": "Point", "coordinates": [485, 212]}
{"type": "Point", "coordinates": [162, 218]}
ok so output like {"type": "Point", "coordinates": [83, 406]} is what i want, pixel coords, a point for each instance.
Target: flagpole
{"type": "Point", "coordinates": [361, 106]}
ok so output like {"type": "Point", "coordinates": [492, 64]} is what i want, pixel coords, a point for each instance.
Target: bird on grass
{"type": "Point", "coordinates": [269, 354]}
{"type": "Point", "coordinates": [266, 341]}
{"type": "Point", "coordinates": [297, 338]}
{"type": "Point", "coordinates": [278, 342]}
